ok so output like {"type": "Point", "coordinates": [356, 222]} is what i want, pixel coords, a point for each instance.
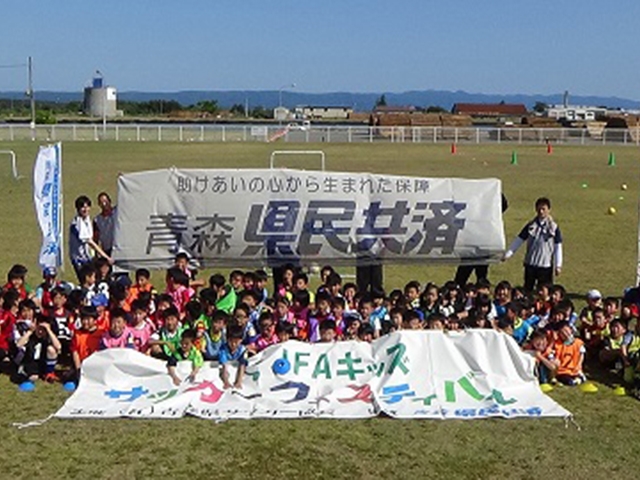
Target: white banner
{"type": "Point", "coordinates": [47, 197]}
{"type": "Point", "coordinates": [409, 374]}
{"type": "Point", "coordinates": [270, 217]}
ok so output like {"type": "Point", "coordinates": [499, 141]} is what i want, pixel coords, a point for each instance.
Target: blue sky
{"type": "Point", "coordinates": [542, 46]}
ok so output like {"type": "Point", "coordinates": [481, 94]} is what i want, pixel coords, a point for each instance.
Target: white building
{"type": "Point", "coordinates": [100, 100]}
{"type": "Point", "coordinates": [318, 112]}
{"type": "Point", "coordinates": [282, 114]}
{"type": "Point", "coordinates": [575, 112]}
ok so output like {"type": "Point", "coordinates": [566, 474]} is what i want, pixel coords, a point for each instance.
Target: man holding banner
{"type": "Point", "coordinates": [81, 237]}
{"type": "Point", "coordinates": [543, 257]}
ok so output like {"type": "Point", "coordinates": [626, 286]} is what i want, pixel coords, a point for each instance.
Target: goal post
{"type": "Point", "coordinates": [14, 162]}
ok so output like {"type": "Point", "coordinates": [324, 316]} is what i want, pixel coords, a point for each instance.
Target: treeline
{"type": "Point", "coordinates": [205, 108]}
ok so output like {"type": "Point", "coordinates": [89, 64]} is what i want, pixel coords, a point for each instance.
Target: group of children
{"type": "Point", "coordinates": [48, 332]}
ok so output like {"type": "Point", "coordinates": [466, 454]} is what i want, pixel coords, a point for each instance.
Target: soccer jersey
{"type": "Point", "coordinates": [228, 302]}
{"type": "Point", "coordinates": [7, 323]}
{"type": "Point", "coordinates": [634, 345]}
{"type": "Point", "coordinates": [172, 338]}
{"type": "Point", "coordinates": [124, 340]}
{"type": "Point", "coordinates": [86, 342]}
{"type": "Point", "coordinates": [541, 236]}
{"type": "Point", "coordinates": [617, 343]}
{"type": "Point", "coordinates": [261, 342]}
{"type": "Point", "coordinates": [181, 295]}
{"type": "Point", "coordinates": [193, 355]}
{"type": "Point", "coordinates": [213, 344]}
{"type": "Point", "coordinates": [64, 321]}
{"type": "Point", "coordinates": [569, 357]}
{"type": "Point", "coordinates": [141, 335]}
{"type": "Point", "coordinates": [378, 316]}
{"type": "Point", "coordinates": [135, 291]}
{"type": "Point", "coordinates": [239, 355]}
{"type": "Point", "coordinates": [23, 291]}
{"type": "Point", "coordinates": [521, 331]}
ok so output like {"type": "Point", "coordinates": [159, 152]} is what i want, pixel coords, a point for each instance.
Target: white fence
{"type": "Point", "coordinates": [317, 134]}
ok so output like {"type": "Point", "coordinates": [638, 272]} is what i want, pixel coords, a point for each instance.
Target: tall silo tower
{"type": "Point", "coordinates": [100, 100]}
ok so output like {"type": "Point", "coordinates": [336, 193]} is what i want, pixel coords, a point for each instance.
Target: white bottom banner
{"type": "Point", "coordinates": [408, 374]}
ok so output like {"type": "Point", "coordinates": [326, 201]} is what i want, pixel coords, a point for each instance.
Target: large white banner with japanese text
{"type": "Point", "coordinates": [274, 216]}
{"type": "Point", "coordinates": [409, 374]}
{"type": "Point", "coordinates": [47, 199]}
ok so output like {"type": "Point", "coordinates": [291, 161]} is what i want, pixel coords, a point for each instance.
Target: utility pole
{"type": "Point", "coordinates": [32, 99]}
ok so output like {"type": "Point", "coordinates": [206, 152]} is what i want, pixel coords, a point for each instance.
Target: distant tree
{"type": "Point", "coordinates": [435, 109]}
{"type": "Point", "coordinates": [261, 112]}
{"type": "Point", "coordinates": [70, 107]}
{"type": "Point", "coordinates": [208, 106]}
{"type": "Point", "coordinates": [540, 107]}
{"type": "Point", "coordinates": [169, 106]}
{"type": "Point", "coordinates": [152, 107]}
{"type": "Point", "coordinates": [381, 101]}
{"type": "Point", "coordinates": [45, 117]}
{"type": "Point", "coordinates": [237, 109]}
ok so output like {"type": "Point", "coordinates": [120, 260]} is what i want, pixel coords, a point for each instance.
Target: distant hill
{"type": "Point", "coordinates": [360, 101]}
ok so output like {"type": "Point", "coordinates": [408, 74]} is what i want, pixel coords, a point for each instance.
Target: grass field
{"type": "Point", "coordinates": [600, 252]}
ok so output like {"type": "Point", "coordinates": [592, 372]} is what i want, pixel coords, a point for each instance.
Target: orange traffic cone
{"type": "Point", "coordinates": [549, 149]}
{"type": "Point", "coordinates": [454, 149]}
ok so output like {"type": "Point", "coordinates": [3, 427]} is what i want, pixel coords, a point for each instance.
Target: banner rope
{"type": "Point", "coordinates": [571, 419]}
{"type": "Point", "coordinates": [34, 423]}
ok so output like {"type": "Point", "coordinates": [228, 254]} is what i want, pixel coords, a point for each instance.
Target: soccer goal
{"type": "Point", "coordinates": [14, 162]}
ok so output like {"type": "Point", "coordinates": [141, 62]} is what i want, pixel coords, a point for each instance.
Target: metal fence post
{"type": "Point", "coordinates": [349, 134]}
{"type": "Point", "coordinates": [202, 133]}
{"type": "Point", "coordinates": [224, 135]}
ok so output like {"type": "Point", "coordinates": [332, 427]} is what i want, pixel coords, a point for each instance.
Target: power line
{"type": "Point", "coordinates": [15, 65]}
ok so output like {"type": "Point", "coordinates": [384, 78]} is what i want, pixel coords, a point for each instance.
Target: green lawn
{"type": "Point", "coordinates": [600, 252]}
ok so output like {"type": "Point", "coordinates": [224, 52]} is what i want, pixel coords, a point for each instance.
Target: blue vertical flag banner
{"type": "Point", "coordinates": [273, 216]}
{"type": "Point", "coordinates": [47, 198]}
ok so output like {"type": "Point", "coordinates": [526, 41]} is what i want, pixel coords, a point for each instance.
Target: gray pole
{"type": "Point", "coordinates": [32, 99]}
{"type": "Point", "coordinates": [104, 112]}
